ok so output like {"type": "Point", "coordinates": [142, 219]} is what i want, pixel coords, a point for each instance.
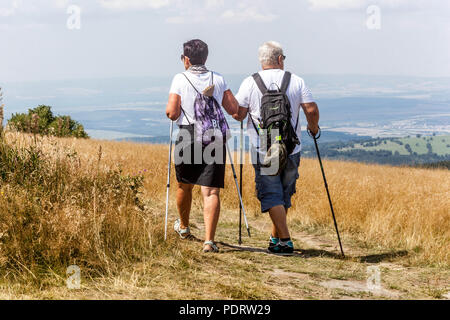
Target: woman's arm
{"type": "Point", "coordinates": [173, 109]}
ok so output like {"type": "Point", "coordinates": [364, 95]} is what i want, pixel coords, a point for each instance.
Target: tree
{"type": "Point", "coordinates": [408, 148]}
{"type": "Point", "coordinates": [41, 120]}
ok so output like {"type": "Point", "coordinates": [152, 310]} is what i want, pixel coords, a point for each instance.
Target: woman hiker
{"type": "Point", "coordinates": [190, 92]}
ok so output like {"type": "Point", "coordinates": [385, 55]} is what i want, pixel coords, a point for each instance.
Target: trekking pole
{"type": "Point", "coordinates": [316, 137]}
{"type": "Point", "coordinates": [237, 187]}
{"type": "Point", "coordinates": [240, 178]}
{"type": "Point", "coordinates": [168, 181]}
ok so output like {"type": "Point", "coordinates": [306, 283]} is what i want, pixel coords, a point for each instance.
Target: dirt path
{"type": "Point", "coordinates": [323, 273]}
{"type": "Point", "coordinates": [247, 271]}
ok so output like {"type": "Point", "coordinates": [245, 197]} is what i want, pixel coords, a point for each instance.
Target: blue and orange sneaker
{"type": "Point", "coordinates": [273, 241]}
{"type": "Point", "coordinates": [282, 248]}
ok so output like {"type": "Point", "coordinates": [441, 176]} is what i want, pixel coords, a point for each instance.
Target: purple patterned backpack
{"type": "Point", "coordinates": [209, 119]}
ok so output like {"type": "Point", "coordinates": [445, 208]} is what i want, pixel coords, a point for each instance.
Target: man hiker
{"type": "Point", "coordinates": [195, 102]}
{"type": "Point", "coordinates": [275, 191]}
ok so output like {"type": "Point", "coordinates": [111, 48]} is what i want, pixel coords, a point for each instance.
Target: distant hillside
{"type": "Point", "coordinates": [328, 136]}
{"type": "Point", "coordinates": [426, 151]}
{"type": "Point", "coordinates": [416, 150]}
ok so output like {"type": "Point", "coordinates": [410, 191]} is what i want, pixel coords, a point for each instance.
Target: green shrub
{"type": "Point", "coordinates": [41, 120]}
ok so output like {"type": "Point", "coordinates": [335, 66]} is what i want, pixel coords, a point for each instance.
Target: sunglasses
{"type": "Point", "coordinates": [284, 57]}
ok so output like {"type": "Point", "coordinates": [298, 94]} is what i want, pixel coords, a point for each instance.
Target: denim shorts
{"type": "Point", "coordinates": [274, 191]}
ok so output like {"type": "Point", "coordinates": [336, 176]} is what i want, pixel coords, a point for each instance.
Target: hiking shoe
{"type": "Point", "coordinates": [212, 245]}
{"type": "Point", "coordinates": [273, 241]}
{"type": "Point", "coordinates": [282, 248]}
{"type": "Point", "coordinates": [183, 233]}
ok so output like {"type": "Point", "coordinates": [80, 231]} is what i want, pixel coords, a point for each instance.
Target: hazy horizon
{"type": "Point", "coordinates": [113, 108]}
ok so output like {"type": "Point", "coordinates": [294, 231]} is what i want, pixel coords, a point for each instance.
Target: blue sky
{"type": "Point", "coordinates": [121, 38]}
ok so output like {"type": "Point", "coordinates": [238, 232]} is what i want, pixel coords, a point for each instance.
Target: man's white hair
{"type": "Point", "coordinates": [269, 52]}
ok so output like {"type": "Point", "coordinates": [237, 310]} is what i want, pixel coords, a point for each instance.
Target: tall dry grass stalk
{"type": "Point", "coordinates": [50, 218]}
{"type": "Point", "coordinates": [391, 207]}
{"type": "Point", "coordinates": [2, 106]}
{"type": "Point", "coordinates": [1, 116]}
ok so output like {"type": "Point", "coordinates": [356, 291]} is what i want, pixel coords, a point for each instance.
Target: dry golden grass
{"type": "Point", "coordinates": [392, 207]}
{"type": "Point", "coordinates": [57, 209]}
{"type": "Point", "coordinates": [121, 245]}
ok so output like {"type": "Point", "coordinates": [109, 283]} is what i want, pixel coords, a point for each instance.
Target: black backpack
{"type": "Point", "coordinates": [276, 114]}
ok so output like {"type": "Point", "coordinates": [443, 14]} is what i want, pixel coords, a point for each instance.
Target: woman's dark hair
{"type": "Point", "coordinates": [196, 50]}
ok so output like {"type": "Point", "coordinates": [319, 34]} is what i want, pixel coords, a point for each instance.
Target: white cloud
{"type": "Point", "coordinates": [336, 4]}
{"type": "Point", "coordinates": [248, 14]}
{"type": "Point", "coordinates": [248, 11]}
{"type": "Point", "coordinates": [10, 9]}
{"type": "Point", "coordinates": [220, 11]}
{"type": "Point", "coordinates": [359, 4]}
{"type": "Point", "coordinates": [176, 20]}
{"type": "Point", "coordinates": [134, 4]}
{"type": "Point", "coordinates": [214, 3]}
{"type": "Point", "coordinates": [62, 3]}
{"type": "Point", "coordinates": [189, 18]}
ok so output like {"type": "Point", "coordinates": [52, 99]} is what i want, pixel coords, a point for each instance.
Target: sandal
{"type": "Point", "coordinates": [183, 233]}
{"type": "Point", "coordinates": [213, 246]}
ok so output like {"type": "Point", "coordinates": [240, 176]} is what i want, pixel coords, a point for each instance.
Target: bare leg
{"type": "Point", "coordinates": [274, 228]}
{"type": "Point", "coordinates": [278, 215]}
{"type": "Point", "coordinates": [184, 201]}
{"type": "Point", "coordinates": [211, 211]}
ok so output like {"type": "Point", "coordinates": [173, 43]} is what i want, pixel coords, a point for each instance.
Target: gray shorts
{"type": "Point", "coordinates": [274, 191]}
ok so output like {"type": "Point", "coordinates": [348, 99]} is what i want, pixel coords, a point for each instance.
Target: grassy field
{"type": "Point", "coordinates": [440, 145]}
{"type": "Point", "coordinates": [100, 205]}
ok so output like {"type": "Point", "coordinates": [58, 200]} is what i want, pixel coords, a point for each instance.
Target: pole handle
{"type": "Point", "coordinates": [316, 136]}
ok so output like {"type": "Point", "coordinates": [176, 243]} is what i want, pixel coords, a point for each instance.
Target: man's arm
{"type": "Point", "coordinates": [241, 114]}
{"type": "Point", "coordinates": [230, 103]}
{"type": "Point", "coordinates": [311, 111]}
{"type": "Point", "coordinates": [173, 109]}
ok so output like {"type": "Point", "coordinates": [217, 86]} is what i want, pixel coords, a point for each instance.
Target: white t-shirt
{"type": "Point", "coordinates": [249, 96]}
{"type": "Point", "coordinates": [182, 87]}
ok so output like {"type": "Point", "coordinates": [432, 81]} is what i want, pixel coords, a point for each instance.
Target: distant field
{"type": "Point", "coordinates": [439, 144]}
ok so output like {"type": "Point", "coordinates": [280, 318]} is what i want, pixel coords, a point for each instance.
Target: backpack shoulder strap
{"type": "Point", "coordinates": [286, 81]}
{"type": "Point", "coordinates": [253, 122]}
{"type": "Point", "coordinates": [184, 74]}
{"type": "Point", "coordinates": [259, 81]}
